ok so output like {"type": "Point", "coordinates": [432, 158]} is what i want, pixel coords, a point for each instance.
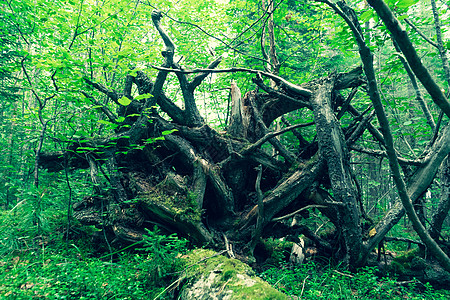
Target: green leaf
{"type": "Point", "coordinates": [407, 123]}
{"type": "Point", "coordinates": [143, 96]}
{"type": "Point", "coordinates": [166, 132]}
{"type": "Point", "coordinates": [133, 72]}
{"type": "Point", "coordinates": [405, 4]}
{"type": "Point", "coordinates": [105, 122]}
{"type": "Point", "coordinates": [85, 148]}
{"type": "Point", "coordinates": [125, 101]}
{"type": "Point", "coordinates": [366, 16]}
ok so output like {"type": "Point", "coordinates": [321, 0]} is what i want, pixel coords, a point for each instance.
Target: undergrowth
{"type": "Point", "coordinates": [44, 264]}
{"type": "Point", "coordinates": [69, 271]}
{"type": "Point", "coordinates": [311, 281]}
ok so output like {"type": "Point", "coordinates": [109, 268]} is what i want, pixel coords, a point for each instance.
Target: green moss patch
{"type": "Point", "coordinates": [211, 274]}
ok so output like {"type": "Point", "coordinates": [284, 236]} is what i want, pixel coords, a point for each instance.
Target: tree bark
{"type": "Point", "coordinates": [333, 148]}
{"type": "Point", "coordinates": [444, 202]}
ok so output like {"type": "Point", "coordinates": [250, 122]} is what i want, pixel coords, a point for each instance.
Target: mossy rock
{"type": "Point", "coordinates": [214, 276]}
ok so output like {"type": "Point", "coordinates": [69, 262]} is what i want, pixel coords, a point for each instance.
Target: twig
{"type": "Point", "coordinates": [223, 286]}
{"type": "Point", "coordinates": [170, 286]}
{"type": "Point", "coordinates": [403, 283]}
{"type": "Point", "coordinates": [303, 287]}
{"type": "Point", "coordinates": [399, 239]}
{"type": "Point", "coordinates": [297, 211]}
{"type": "Point", "coordinates": [205, 258]}
{"type": "Point", "coordinates": [228, 246]}
{"type": "Point", "coordinates": [260, 220]}
{"type": "Point", "coordinates": [211, 35]}
{"type": "Point", "coordinates": [270, 135]}
{"type": "Point", "coordinates": [420, 33]}
{"type": "Point", "coordinates": [343, 274]}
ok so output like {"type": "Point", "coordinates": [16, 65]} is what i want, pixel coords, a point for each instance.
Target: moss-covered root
{"type": "Point", "coordinates": [213, 276]}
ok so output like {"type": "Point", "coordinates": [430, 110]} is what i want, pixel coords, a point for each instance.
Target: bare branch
{"type": "Point", "coordinates": [297, 211]}
{"type": "Point", "coordinates": [270, 135]}
{"type": "Point", "coordinates": [260, 221]}
{"type": "Point", "coordinates": [217, 39]}
{"type": "Point", "coordinates": [112, 118]}
{"type": "Point", "coordinates": [360, 128]}
{"type": "Point", "coordinates": [420, 33]}
{"type": "Point", "coordinates": [199, 78]}
{"type": "Point", "coordinates": [288, 85]}
{"type": "Point", "coordinates": [381, 153]}
{"type": "Point", "coordinates": [273, 92]}
{"type": "Point", "coordinates": [290, 157]}
{"type": "Point", "coordinates": [419, 98]}
{"type": "Point", "coordinates": [400, 239]}
{"type": "Point", "coordinates": [113, 95]}
{"type": "Point", "coordinates": [168, 54]}
{"type": "Point", "coordinates": [440, 43]}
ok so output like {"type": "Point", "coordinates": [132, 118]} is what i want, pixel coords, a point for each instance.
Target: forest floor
{"type": "Point", "coordinates": [51, 267]}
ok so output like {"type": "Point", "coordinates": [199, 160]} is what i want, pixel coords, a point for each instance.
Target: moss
{"type": "Point", "coordinates": [403, 262]}
{"type": "Point", "coordinates": [277, 250]}
{"type": "Point", "coordinates": [183, 206]}
{"type": "Point", "coordinates": [418, 263]}
{"type": "Point", "coordinates": [397, 267]}
{"type": "Point", "coordinates": [171, 198]}
{"type": "Point", "coordinates": [259, 291]}
{"type": "Point", "coordinates": [407, 256]}
{"type": "Point", "coordinates": [229, 270]}
{"type": "Point", "coordinates": [224, 277]}
{"type": "Point", "coordinates": [204, 261]}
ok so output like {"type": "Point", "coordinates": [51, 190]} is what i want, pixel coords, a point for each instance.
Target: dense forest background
{"type": "Point", "coordinates": [307, 136]}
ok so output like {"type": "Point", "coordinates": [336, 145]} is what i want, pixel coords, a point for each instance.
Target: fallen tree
{"type": "Point", "coordinates": [165, 165]}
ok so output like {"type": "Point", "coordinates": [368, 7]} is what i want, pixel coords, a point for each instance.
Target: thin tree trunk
{"type": "Point", "coordinates": [444, 201]}
{"type": "Point", "coordinates": [401, 37]}
{"type": "Point", "coordinates": [419, 97]}
{"type": "Point", "coordinates": [440, 44]}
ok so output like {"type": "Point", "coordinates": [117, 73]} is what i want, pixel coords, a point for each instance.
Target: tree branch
{"type": "Point", "coordinates": [167, 53]}
{"type": "Point", "coordinates": [260, 221]}
{"type": "Point", "coordinates": [420, 33]}
{"type": "Point", "coordinates": [109, 114]}
{"type": "Point", "coordinates": [270, 135]}
{"type": "Point", "coordinates": [367, 57]}
{"type": "Point", "coordinates": [199, 78]}
{"type": "Point", "coordinates": [419, 98]}
{"type": "Point", "coordinates": [288, 85]}
{"type": "Point", "coordinates": [113, 95]}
